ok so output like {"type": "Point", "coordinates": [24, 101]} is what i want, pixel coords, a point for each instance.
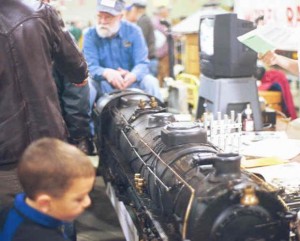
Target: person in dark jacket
{"type": "Point", "coordinates": [136, 12]}
{"type": "Point", "coordinates": [48, 203]}
{"type": "Point", "coordinates": [31, 40]}
{"type": "Point", "coordinates": [74, 103]}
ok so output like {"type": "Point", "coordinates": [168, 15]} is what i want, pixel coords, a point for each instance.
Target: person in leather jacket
{"type": "Point", "coordinates": [74, 104]}
{"type": "Point", "coordinates": [31, 40]}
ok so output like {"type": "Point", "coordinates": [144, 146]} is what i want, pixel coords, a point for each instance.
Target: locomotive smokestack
{"type": "Point", "coordinates": [227, 166]}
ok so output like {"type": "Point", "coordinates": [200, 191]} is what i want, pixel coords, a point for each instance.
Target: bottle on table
{"type": "Point", "coordinates": [248, 123]}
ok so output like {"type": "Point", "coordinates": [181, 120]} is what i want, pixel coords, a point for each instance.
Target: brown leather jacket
{"type": "Point", "coordinates": [31, 39]}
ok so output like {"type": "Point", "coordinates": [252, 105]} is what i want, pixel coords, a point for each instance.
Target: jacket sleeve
{"type": "Point", "coordinates": [66, 56]}
{"type": "Point", "coordinates": [148, 32]}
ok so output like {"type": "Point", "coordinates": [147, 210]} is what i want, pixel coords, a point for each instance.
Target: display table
{"type": "Point", "coordinates": [276, 158]}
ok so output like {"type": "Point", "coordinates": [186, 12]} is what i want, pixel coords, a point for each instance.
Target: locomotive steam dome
{"type": "Point", "coordinates": [178, 133]}
{"type": "Point", "coordinates": [160, 119]}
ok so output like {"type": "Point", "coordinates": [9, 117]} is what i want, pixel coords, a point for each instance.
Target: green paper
{"type": "Point", "coordinates": [258, 44]}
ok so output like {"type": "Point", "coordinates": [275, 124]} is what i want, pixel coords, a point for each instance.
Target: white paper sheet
{"type": "Point", "coordinates": [270, 144]}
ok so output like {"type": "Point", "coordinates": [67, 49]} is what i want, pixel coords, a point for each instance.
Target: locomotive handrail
{"type": "Point", "coordinates": [188, 210]}
{"type": "Point", "coordinates": [141, 159]}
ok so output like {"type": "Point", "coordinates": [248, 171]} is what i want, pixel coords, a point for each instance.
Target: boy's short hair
{"type": "Point", "coordinates": [49, 166]}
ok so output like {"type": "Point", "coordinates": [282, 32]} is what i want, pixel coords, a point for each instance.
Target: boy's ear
{"type": "Point", "coordinates": [43, 202]}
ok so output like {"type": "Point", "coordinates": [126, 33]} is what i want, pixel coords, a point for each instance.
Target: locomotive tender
{"type": "Point", "coordinates": [174, 184]}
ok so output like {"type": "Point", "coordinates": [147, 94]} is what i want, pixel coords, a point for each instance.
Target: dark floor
{"type": "Point", "coordinates": [99, 222]}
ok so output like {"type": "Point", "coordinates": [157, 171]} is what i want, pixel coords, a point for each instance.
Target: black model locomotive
{"type": "Point", "coordinates": [175, 184]}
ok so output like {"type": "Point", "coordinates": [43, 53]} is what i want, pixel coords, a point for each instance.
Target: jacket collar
{"type": "Point", "coordinates": [34, 215]}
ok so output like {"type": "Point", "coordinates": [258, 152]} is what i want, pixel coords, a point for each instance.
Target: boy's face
{"type": "Point", "coordinates": [75, 200]}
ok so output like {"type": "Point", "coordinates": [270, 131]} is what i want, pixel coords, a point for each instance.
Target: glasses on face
{"type": "Point", "coordinates": [105, 17]}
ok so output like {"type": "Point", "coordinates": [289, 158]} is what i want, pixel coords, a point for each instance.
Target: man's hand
{"type": "Point", "coordinates": [269, 58]}
{"type": "Point", "coordinates": [123, 72]}
{"type": "Point", "coordinates": [83, 83]}
{"type": "Point", "coordinates": [114, 77]}
{"type": "Point", "coordinates": [129, 79]}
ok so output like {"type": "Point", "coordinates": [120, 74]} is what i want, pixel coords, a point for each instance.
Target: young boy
{"type": "Point", "coordinates": [56, 178]}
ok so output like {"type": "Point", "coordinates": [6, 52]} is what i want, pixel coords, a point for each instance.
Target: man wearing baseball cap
{"type": "Point", "coordinates": [116, 52]}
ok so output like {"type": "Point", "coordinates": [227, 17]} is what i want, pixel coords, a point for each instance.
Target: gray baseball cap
{"type": "Point", "coordinates": [140, 3]}
{"type": "Point", "coordinates": [113, 7]}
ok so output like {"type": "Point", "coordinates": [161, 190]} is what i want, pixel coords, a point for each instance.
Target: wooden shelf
{"type": "Point", "coordinates": [273, 99]}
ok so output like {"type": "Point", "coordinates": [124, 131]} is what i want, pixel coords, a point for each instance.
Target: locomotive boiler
{"type": "Point", "coordinates": [176, 185]}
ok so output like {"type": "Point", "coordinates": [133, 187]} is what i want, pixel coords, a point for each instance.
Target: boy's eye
{"type": "Point", "coordinates": [79, 199]}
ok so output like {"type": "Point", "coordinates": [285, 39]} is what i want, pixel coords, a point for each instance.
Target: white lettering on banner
{"type": "Point", "coordinates": [282, 12]}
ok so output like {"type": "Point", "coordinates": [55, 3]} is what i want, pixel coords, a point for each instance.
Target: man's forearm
{"type": "Point", "coordinates": [290, 65]}
{"type": "Point", "coordinates": [140, 71]}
